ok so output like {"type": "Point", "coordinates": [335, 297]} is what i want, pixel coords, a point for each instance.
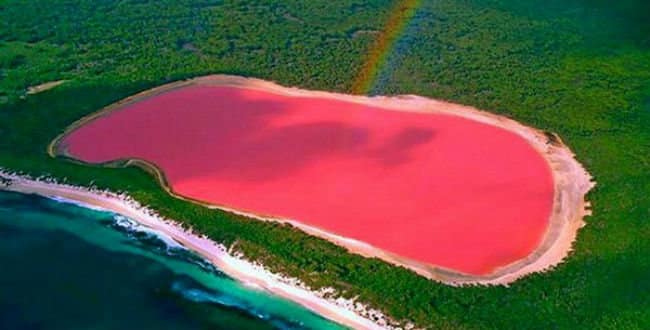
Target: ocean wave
{"type": "Point", "coordinates": [80, 204]}
{"type": "Point", "coordinates": [130, 227]}
{"type": "Point", "coordinates": [160, 243]}
{"type": "Point", "coordinates": [143, 233]}
{"type": "Point", "coordinates": [201, 295]}
{"type": "Point", "coordinates": [144, 236]}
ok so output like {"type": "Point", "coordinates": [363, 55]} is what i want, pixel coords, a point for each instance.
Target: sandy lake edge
{"type": "Point", "coordinates": [571, 180]}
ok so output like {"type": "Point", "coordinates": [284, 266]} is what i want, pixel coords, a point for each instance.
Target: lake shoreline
{"type": "Point", "coordinates": [571, 181]}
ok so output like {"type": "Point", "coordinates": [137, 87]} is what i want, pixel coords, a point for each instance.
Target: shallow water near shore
{"type": "Point", "coordinates": [68, 267]}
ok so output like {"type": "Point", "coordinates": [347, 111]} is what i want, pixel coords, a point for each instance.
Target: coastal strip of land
{"type": "Point", "coordinates": [346, 312]}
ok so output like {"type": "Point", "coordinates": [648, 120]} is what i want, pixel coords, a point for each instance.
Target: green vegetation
{"type": "Point", "coordinates": [578, 68]}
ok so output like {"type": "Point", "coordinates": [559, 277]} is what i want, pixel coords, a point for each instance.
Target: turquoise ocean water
{"type": "Point", "coordinates": [68, 267]}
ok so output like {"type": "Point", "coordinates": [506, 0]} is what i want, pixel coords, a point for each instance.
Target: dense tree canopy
{"type": "Point", "coordinates": [579, 68]}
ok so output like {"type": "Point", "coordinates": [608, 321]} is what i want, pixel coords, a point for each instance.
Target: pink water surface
{"type": "Point", "coordinates": [437, 189]}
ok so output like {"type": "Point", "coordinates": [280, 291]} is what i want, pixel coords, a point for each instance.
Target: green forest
{"type": "Point", "coordinates": [575, 67]}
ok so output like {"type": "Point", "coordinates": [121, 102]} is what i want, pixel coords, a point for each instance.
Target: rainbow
{"type": "Point", "coordinates": [394, 27]}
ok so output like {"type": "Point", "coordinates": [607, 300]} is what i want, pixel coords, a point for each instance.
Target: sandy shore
{"type": "Point", "coordinates": [346, 312]}
{"type": "Point", "coordinates": [571, 180]}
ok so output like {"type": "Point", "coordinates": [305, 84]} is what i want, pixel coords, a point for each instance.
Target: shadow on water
{"type": "Point", "coordinates": [238, 137]}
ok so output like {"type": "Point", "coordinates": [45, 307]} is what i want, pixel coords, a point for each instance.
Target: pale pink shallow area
{"type": "Point", "coordinates": [437, 189]}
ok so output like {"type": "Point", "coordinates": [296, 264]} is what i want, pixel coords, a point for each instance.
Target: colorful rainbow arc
{"type": "Point", "coordinates": [378, 54]}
